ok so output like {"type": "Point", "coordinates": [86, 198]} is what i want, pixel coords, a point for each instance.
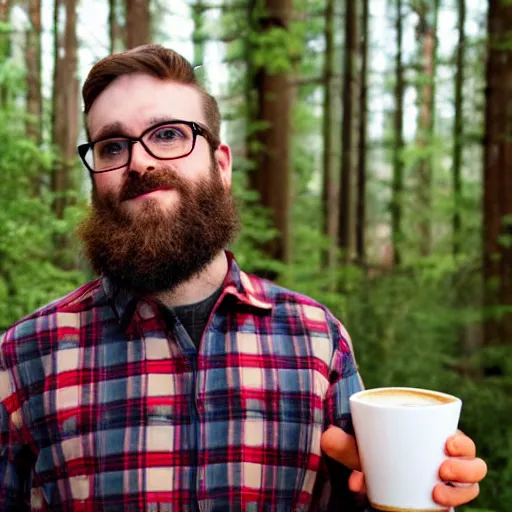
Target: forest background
{"type": "Point", "coordinates": [372, 143]}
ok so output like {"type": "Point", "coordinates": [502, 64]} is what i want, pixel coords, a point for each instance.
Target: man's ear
{"type": "Point", "coordinates": [222, 156]}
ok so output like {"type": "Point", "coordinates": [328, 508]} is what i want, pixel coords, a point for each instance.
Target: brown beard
{"type": "Point", "coordinates": [152, 250]}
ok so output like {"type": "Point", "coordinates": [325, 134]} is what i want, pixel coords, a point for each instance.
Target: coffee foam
{"type": "Point", "coordinates": [399, 397]}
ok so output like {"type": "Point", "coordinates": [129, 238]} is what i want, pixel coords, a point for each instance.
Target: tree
{"type": "Point", "coordinates": [269, 119]}
{"type": "Point", "coordinates": [116, 27]}
{"type": "Point", "coordinates": [346, 220]}
{"type": "Point", "coordinates": [33, 77]}
{"type": "Point", "coordinates": [5, 10]}
{"type": "Point", "coordinates": [458, 126]}
{"type": "Point", "coordinates": [138, 23]}
{"type": "Point", "coordinates": [426, 34]}
{"type": "Point", "coordinates": [65, 113]}
{"type": "Point", "coordinates": [330, 186]}
{"type": "Point", "coordinates": [33, 62]}
{"type": "Point", "coordinates": [363, 123]}
{"type": "Point", "coordinates": [398, 147]}
{"type": "Point", "coordinates": [198, 37]}
{"type": "Point", "coordinates": [497, 201]}
{"type": "Point", "coordinates": [5, 41]}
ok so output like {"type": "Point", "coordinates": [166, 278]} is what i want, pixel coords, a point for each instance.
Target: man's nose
{"type": "Point", "coordinates": [141, 160]}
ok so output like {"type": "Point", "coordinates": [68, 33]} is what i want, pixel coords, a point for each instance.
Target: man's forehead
{"type": "Point", "coordinates": [134, 102]}
{"type": "Point", "coordinates": [118, 128]}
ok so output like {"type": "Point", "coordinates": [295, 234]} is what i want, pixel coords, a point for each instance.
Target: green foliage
{"type": "Point", "coordinates": [28, 278]}
{"type": "Point", "coordinates": [277, 48]}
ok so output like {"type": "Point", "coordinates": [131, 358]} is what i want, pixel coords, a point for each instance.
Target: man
{"type": "Point", "coordinates": [176, 381]}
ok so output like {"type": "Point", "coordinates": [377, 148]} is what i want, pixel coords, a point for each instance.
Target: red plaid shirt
{"type": "Point", "coordinates": [104, 407]}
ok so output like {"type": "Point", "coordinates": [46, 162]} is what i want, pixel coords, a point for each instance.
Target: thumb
{"type": "Point", "coordinates": [341, 447]}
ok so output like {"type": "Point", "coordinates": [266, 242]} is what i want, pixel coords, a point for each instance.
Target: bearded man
{"type": "Point", "coordinates": [175, 381]}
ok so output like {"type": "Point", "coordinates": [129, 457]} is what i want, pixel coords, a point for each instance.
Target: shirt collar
{"type": "Point", "coordinates": [247, 289]}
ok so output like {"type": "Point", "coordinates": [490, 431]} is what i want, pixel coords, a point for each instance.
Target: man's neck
{"type": "Point", "coordinates": [198, 287]}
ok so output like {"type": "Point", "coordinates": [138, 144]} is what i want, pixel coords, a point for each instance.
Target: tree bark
{"type": "Point", "coordinates": [427, 42]}
{"type": "Point", "coordinates": [346, 220]}
{"type": "Point", "coordinates": [5, 37]}
{"type": "Point", "coordinates": [33, 60]}
{"type": "Point", "coordinates": [330, 189]}
{"type": "Point", "coordinates": [34, 92]}
{"type": "Point", "coordinates": [398, 163]}
{"type": "Point", "coordinates": [458, 127]}
{"type": "Point", "coordinates": [497, 201]}
{"type": "Point", "coordinates": [65, 114]}
{"type": "Point", "coordinates": [363, 120]}
{"type": "Point", "coordinates": [138, 23]}
{"type": "Point", "coordinates": [197, 36]}
{"type": "Point", "coordinates": [5, 43]}
{"type": "Point", "coordinates": [269, 146]}
{"type": "Point", "coordinates": [116, 28]}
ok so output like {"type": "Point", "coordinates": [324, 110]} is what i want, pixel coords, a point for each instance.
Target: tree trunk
{"type": "Point", "coordinates": [427, 43]}
{"type": "Point", "coordinates": [458, 127]}
{"type": "Point", "coordinates": [116, 28]}
{"type": "Point", "coordinates": [198, 36]}
{"type": "Point", "coordinates": [34, 93]}
{"type": "Point", "coordinates": [269, 147]}
{"type": "Point", "coordinates": [363, 119]}
{"type": "Point", "coordinates": [497, 176]}
{"type": "Point", "coordinates": [5, 43]}
{"type": "Point", "coordinates": [5, 37]}
{"type": "Point", "coordinates": [330, 190]}
{"type": "Point", "coordinates": [398, 163]}
{"type": "Point", "coordinates": [65, 113]}
{"type": "Point", "coordinates": [138, 23]}
{"type": "Point", "coordinates": [346, 220]}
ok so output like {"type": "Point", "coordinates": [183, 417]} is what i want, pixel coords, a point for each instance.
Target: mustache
{"type": "Point", "coordinates": [138, 184]}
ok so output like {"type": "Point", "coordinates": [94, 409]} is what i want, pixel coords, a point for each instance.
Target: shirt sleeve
{"type": "Point", "coordinates": [344, 380]}
{"type": "Point", "coordinates": [15, 455]}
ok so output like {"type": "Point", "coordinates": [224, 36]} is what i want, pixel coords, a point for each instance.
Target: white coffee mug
{"type": "Point", "coordinates": [401, 436]}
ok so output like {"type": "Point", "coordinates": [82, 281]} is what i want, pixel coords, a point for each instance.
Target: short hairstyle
{"type": "Point", "coordinates": [156, 61]}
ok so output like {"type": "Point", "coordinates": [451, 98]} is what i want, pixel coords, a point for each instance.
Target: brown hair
{"type": "Point", "coordinates": [156, 61]}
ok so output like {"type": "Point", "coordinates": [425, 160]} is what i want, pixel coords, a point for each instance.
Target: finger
{"type": "Point", "coordinates": [341, 447]}
{"type": "Point", "coordinates": [460, 445]}
{"type": "Point", "coordinates": [463, 470]}
{"type": "Point", "coordinates": [447, 496]}
{"type": "Point", "coordinates": [356, 482]}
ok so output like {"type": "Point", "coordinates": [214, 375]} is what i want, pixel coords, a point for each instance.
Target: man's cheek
{"type": "Point", "coordinates": [107, 182]}
{"type": "Point", "coordinates": [104, 188]}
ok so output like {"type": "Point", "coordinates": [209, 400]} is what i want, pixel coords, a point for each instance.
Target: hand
{"type": "Point", "coordinates": [342, 447]}
{"type": "Point", "coordinates": [462, 468]}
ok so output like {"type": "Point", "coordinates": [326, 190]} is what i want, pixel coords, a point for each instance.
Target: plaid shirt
{"type": "Point", "coordinates": [104, 407]}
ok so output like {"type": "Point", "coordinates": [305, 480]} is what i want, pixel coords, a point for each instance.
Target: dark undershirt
{"type": "Point", "coordinates": [194, 317]}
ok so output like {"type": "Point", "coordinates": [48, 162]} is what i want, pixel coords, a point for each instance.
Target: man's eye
{"type": "Point", "coordinates": [113, 148]}
{"type": "Point", "coordinates": [167, 134]}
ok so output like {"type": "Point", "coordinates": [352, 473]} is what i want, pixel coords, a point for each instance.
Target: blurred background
{"type": "Point", "coordinates": [372, 145]}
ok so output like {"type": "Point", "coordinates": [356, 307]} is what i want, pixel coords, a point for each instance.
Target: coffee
{"type": "Point", "coordinates": [404, 397]}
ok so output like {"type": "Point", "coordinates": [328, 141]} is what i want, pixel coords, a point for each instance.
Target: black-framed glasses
{"type": "Point", "coordinates": [168, 140]}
